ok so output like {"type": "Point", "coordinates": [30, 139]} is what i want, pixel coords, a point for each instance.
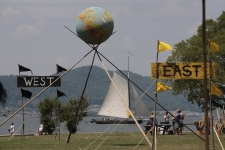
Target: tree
{"type": "Point", "coordinates": [191, 51]}
{"type": "Point", "coordinates": [70, 111]}
{"type": "Point", "coordinates": [48, 110]}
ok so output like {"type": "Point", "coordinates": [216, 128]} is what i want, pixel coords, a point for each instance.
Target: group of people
{"type": "Point", "coordinates": [177, 121]}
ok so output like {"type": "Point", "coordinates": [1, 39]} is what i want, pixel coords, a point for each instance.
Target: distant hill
{"type": "Point", "coordinates": [72, 84]}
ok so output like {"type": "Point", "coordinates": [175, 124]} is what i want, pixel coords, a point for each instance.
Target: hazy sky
{"type": "Point", "coordinates": [32, 32]}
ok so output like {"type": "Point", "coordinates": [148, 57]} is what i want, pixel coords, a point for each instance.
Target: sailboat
{"type": "Point", "coordinates": [114, 107]}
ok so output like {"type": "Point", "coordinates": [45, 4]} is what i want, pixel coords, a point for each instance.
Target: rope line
{"type": "Point", "coordinates": [143, 94]}
{"type": "Point", "coordinates": [98, 137]}
{"type": "Point", "coordinates": [122, 99]}
{"type": "Point", "coordinates": [3, 112]}
{"type": "Point", "coordinates": [141, 140]}
{"type": "Point", "coordinates": [107, 136]}
{"type": "Point", "coordinates": [45, 88]}
{"type": "Point", "coordinates": [148, 95]}
{"type": "Point", "coordinates": [16, 131]}
{"type": "Point", "coordinates": [218, 139]}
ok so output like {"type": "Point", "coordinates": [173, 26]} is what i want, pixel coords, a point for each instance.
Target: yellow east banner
{"type": "Point", "coordinates": [215, 90]}
{"type": "Point", "coordinates": [162, 87]}
{"type": "Point", "coordinates": [181, 70]}
{"type": "Point", "coordinates": [213, 47]}
{"type": "Point", "coordinates": [164, 47]}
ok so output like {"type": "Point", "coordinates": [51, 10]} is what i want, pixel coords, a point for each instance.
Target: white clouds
{"type": "Point", "coordinates": [45, 11]}
{"type": "Point", "coordinates": [26, 31]}
{"type": "Point", "coordinates": [10, 15]}
{"type": "Point", "coordinates": [139, 23]}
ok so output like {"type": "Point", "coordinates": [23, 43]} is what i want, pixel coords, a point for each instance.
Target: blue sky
{"type": "Point", "coordinates": [32, 32]}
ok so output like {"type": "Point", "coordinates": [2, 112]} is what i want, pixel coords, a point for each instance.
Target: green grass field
{"type": "Point", "coordinates": [114, 141]}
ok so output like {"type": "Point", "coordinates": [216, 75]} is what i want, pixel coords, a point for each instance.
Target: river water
{"type": "Point", "coordinates": [32, 124]}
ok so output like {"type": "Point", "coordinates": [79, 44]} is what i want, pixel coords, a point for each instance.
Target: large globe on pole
{"type": "Point", "coordinates": [94, 25]}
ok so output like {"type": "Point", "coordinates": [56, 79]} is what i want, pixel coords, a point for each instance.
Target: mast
{"type": "Point", "coordinates": [128, 80]}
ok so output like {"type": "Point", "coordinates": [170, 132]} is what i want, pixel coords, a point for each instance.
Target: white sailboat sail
{"type": "Point", "coordinates": [139, 107]}
{"type": "Point", "coordinates": [113, 105]}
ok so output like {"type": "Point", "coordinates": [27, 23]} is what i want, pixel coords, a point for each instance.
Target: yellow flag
{"type": "Point", "coordinates": [162, 87]}
{"type": "Point", "coordinates": [128, 114]}
{"type": "Point", "coordinates": [164, 47]}
{"type": "Point", "coordinates": [215, 90]}
{"type": "Point", "coordinates": [213, 47]}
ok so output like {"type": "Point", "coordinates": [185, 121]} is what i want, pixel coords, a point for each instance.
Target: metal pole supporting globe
{"type": "Point", "coordinates": [94, 25]}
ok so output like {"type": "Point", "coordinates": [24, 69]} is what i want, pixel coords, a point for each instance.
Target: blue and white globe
{"type": "Point", "coordinates": [94, 25]}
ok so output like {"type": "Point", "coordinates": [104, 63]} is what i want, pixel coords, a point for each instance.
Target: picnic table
{"type": "Point", "coordinates": [162, 128]}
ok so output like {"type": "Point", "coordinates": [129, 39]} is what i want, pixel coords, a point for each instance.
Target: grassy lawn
{"type": "Point", "coordinates": [114, 141]}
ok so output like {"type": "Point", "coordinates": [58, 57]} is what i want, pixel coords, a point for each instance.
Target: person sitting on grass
{"type": "Point", "coordinates": [40, 130]}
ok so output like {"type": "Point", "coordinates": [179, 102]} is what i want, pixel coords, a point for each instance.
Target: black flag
{"type": "Point", "coordinates": [60, 69]}
{"type": "Point", "coordinates": [26, 93]}
{"type": "Point", "coordinates": [59, 93]}
{"type": "Point", "coordinates": [3, 95]}
{"type": "Point", "coordinates": [22, 69]}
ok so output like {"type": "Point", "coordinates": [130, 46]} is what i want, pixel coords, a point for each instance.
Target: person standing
{"type": "Point", "coordinates": [173, 122]}
{"type": "Point", "coordinates": [181, 122]}
{"type": "Point", "coordinates": [177, 122]}
{"type": "Point", "coordinates": [151, 121]}
{"type": "Point", "coordinates": [12, 128]}
{"type": "Point", "coordinates": [167, 117]}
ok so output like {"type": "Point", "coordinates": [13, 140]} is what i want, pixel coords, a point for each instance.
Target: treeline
{"type": "Point", "coordinates": [72, 84]}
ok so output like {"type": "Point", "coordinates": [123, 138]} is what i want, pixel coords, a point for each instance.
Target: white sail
{"type": "Point", "coordinates": [139, 107]}
{"type": "Point", "coordinates": [113, 105]}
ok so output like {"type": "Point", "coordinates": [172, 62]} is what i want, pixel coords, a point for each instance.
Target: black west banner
{"type": "Point", "coordinates": [37, 81]}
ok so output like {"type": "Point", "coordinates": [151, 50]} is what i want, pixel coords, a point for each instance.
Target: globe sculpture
{"type": "Point", "coordinates": [94, 25]}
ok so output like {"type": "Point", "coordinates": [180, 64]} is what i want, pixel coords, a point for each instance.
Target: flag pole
{"type": "Point", "coordinates": [22, 132]}
{"type": "Point", "coordinates": [156, 82]}
{"type": "Point", "coordinates": [58, 112]}
{"type": "Point", "coordinates": [205, 77]}
{"type": "Point", "coordinates": [210, 96]}
{"type": "Point", "coordinates": [58, 115]}
{"type": "Point", "coordinates": [128, 81]}
{"type": "Point", "coordinates": [57, 107]}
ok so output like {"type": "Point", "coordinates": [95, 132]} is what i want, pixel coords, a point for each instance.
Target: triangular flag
{"type": "Point", "coordinates": [215, 90]}
{"type": "Point", "coordinates": [60, 69]}
{"type": "Point", "coordinates": [164, 47]}
{"type": "Point", "coordinates": [162, 87]}
{"type": "Point", "coordinates": [59, 93]}
{"type": "Point", "coordinates": [26, 93]}
{"type": "Point", "coordinates": [3, 95]}
{"type": "Point", "coordinates": [22, 69]}
{"type": "Point", "coordinates": [213, 47]}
